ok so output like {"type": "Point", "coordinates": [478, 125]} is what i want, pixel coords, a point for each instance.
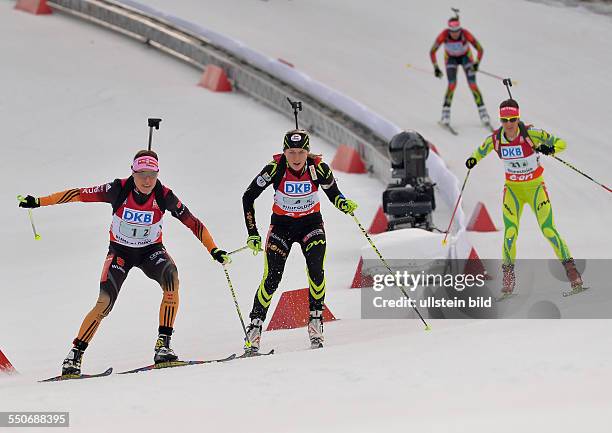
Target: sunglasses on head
{"type": "Point", "coordinates": [511, 119]}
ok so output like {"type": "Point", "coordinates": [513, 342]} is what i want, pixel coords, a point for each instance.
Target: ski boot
{"type": "Point", "coordinates": [484, 116]}
{"type": "Point", "coordinates": [445, 120]}
{"type": "Point", "coordinates": [72, 364]}
{"type": "Point", "coordinates": [315, 329]}
{"type": "Point", "coordinates": [572, 274]}
{"type": "Point", "coordinates": [509, 280]}
{"type": "Point", "coordinates": [254, 336]}
{"type": "Point", "coordinates": [163, 352]}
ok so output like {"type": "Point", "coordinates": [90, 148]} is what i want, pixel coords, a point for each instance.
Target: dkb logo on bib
{"type": "Point", "coordinates": [137, 216]}
{"type": "Point", "coordinates": [298, 188]}
{"type": "Point", "coordinates": [509, 152]}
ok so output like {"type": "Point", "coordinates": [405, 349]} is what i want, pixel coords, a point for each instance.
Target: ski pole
{"type": "Point", "coordinates": [382, 259]}
{"type": "Point", "coordinates": [36, 235]}
{"type": "Point", "coordinates": [456, 206]}
{"type": "Point", "coordinates": [496, 76]}
{"type": "Point", "coordinates": [231, 287]}
{"type": "Point", "coordinates": [238, 250]}
{"type": "Point", "coordinates": [578, 171]}
{"type": "Point", "coordinates": [420, 69]}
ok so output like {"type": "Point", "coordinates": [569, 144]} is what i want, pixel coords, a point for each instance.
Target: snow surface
{"type": "Point", "coordinates": [73, 108]}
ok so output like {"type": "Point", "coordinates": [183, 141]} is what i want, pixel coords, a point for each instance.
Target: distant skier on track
{"type": "Point", "coordinates": [457, 52]}
{"type": "Point", "coordinates": [139, 203]}
{"type": "Point", "coordinates": [296, 176]}
{"type": "Point", "coordinates": [519, 147]}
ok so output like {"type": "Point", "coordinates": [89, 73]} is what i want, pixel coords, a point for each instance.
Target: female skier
{"type": "Point", "coordinates": [519, 147]}
{"type": "Point", "coordinates": [296, 176]}
{"type": "Point", "coordinates": [139, 203]}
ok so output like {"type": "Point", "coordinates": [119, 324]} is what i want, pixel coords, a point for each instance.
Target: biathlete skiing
{"type": "Point", "coordinates": [519, 146]}
{"type": "Point", "coordinates": [138, 203]}
{"type": "Point", "coordinates": [296, 176]}
{"type": "Point", "coordinates": [457, 52]}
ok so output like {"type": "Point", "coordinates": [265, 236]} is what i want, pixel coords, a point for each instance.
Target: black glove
{"type": "Point", "coordinates": [221, 256]}
{"type": "Point", "coordinates": [546, 149]}
{"type": "Point", "coordinates": [475, 66]}
{"type": "Point", "coordinates": [29, 202]}
{"type": "Point", "coordinates": [437, 71]}
{"type": "Point", "coordinates": [471, 162]}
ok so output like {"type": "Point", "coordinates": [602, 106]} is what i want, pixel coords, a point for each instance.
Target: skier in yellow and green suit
{"type": "Point", "coordinates": [519, 147]}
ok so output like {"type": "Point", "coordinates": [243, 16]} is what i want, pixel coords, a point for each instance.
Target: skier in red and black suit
{"type": "Point", "coordinates": [139, 203]}
{"type": "Point", "coordinates": [296, 176]}
{"type": "Point", "coordinates": [457, 52]}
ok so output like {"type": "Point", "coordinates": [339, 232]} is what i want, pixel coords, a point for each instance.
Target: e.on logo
{"type": "Point", "coordinates": [136, 216]}
{"type": "Point", "coordinates": [298, 188]}
{"type": "Point", "coordinates": [512, 152]}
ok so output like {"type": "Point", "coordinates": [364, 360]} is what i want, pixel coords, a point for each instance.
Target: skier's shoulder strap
{"type": "Point", "coordinates": [160, 196]}
{"type": "Point", "coordinates": [281, 166]}
{"type": "Point", "coordinates": [524, 131]}
{"type": "Point", "coordinates": [496, 136]}
{"type": "Point", "coordinates": [313, 163]}
{"type": "Point", "coordinates": [127, 185]}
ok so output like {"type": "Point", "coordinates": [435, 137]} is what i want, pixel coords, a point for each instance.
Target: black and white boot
{"type": "Point", "coordinates": [445, 119]}
{"type": "Point", "coordinates": [163, 352]}
{"type": "Point", "coordinates": [251, 347]}
{"type": "Point", "coordinates": [315, 329]}
{"type": "Point", "coordinates": [72, 364]}
{"type": "Point", "coordinates": [484, 116]}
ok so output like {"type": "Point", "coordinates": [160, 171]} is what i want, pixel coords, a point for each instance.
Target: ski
{"type": "Point", "coordinates": [254, 355]}
{"type": "Point", "coordinates": [77, 376]}
{"type": "Point", "coordinates": [505, 296]}
{"type": "Point", "coordinates": [574, 291]}
{"type": "Point", "coordinates": [172, 364]}
{"type": "Point", "coordinates": [448, 128]}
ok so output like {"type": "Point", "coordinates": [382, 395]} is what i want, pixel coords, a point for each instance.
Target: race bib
{"type": "Point", "coordinates": [134, 231]}
{"type": "Point", "coordinates": [455, 48]}
{"type": "Point", "coordinates": [135, 228]}
{"type": "Point", "coordinates": [521, 166]}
